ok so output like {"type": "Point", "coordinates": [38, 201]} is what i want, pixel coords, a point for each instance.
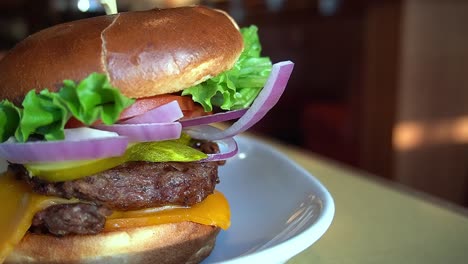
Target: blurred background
{"type": "Point", "coordinates": [378, 85]}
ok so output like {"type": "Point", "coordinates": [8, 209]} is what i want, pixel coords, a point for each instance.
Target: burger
{"type": "Point", "coordinates": [105, 125]}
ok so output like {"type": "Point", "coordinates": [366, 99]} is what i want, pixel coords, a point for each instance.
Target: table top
{"type": "Point", "coordinates": [377, 221]}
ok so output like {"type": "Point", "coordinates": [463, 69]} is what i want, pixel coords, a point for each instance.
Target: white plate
{"type": "Point", "coordinates": [277, 208]}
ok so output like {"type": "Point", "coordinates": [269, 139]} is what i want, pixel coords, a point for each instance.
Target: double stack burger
{"type": "Point", "coordinates": [105, 126]}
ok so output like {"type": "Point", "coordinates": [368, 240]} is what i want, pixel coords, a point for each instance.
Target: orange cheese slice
{"type": "Point", "coordinates": [214, 210]}
{"type": "Point", "coordinates": [19, 205]}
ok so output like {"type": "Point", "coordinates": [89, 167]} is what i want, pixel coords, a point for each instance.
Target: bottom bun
{"type": "Point", "coordinates": [184, 242]}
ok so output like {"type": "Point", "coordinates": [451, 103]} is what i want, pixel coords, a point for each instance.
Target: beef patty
{"type": "Point", "coordinates": [68, 219]}
{"type": "Point", "coordinates": [137, 185]}
{"type": "Point", "coordinates": [130, 186]}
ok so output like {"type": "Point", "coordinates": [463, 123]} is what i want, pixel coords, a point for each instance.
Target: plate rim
{"type": "Point", "coordinates": [294, 245]}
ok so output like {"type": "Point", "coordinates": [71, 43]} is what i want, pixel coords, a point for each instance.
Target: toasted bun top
{"type": "Point", "coordinates": [184, 242]}
{"type": "Point", "coordinates": [143, 53]}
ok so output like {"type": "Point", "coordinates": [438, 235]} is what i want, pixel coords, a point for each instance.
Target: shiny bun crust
{"type": "Point", "coordinates": [184, 242]}
{"type": "Point", "coordinates": [144, 53]}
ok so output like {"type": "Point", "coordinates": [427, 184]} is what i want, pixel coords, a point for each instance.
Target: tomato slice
{"type": "Point", "coordinates": [196, 112]}
{"type": "Point", "coordinates": [142, 105]}
{"type": "Point", "coordinates": [73, 123]}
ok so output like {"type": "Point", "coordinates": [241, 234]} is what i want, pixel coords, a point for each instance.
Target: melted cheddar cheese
{"type": "Point", "coordinates": [19, 205]}
{"type": "Point", "coordinates": [214, 210]}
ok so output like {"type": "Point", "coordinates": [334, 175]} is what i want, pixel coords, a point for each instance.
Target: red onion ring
{"type": "Point", "coordinates": [80, 133]}
{"type": "Point", "coordinates": [75, 146]}
{"type": "Point", "coordinates": [215, 118]}
{"type": "Point", "coordinates": [94, 148]}
{"type": "Point", "coordinates": [228, 147]}
{"type": "Point", "coordinates": [266, 99]}
{"type": "Point", "coordinates": [169, 112]}
{"type": "Point", "coordinates": [146, 132]}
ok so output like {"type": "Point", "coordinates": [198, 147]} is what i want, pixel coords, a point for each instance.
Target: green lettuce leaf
{"type": "Point", "coordinates": [92, 99]}
{"type": "Point", "coordinates": [10, 116]}
{"type": "Point", "coordinates": [45, 114]}
{"type": "Point", "coordinates": [42, 115]}
{"type": "Point", "coordinates": [238, 87]}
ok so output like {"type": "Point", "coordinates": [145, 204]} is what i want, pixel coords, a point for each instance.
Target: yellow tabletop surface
{"type": "Point", "coordinates": [379, 222]}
